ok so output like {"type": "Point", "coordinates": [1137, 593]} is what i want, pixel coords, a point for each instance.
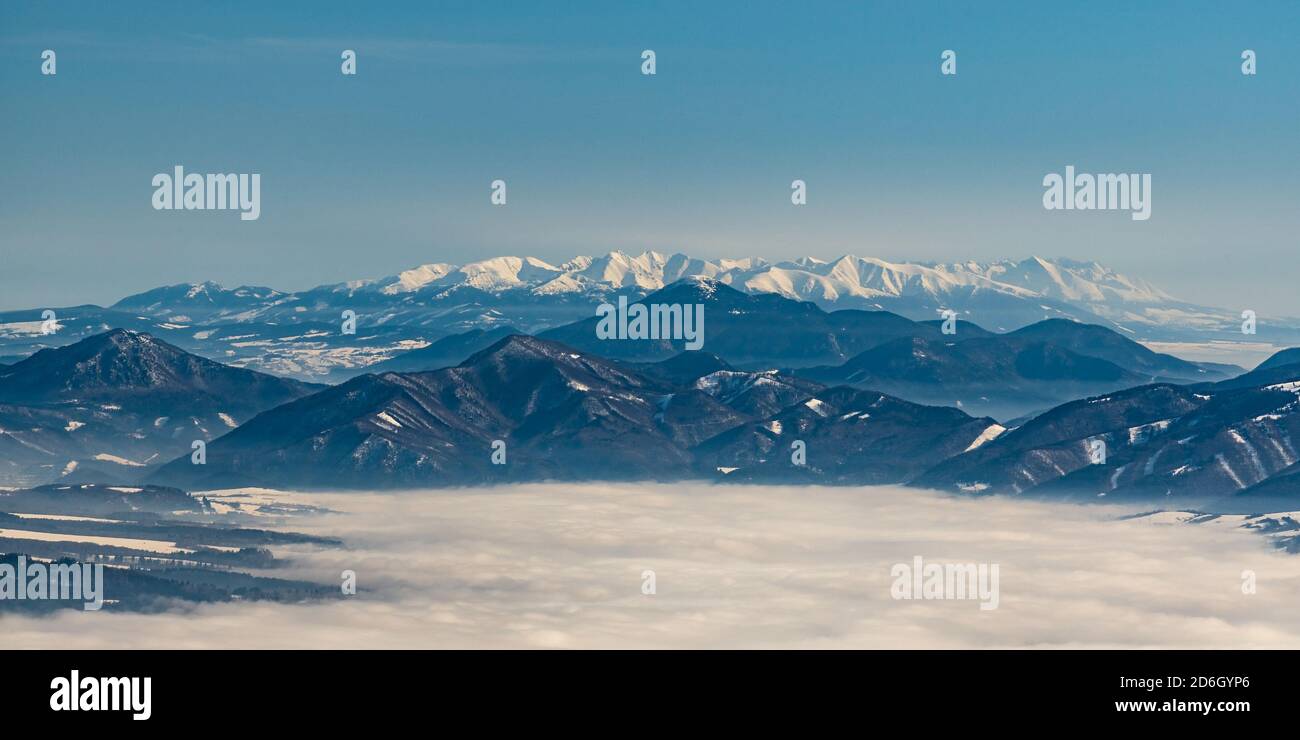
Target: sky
{"type": "Point", "coordinates": [367, 175]}
{"type": "Point", "coordinates": [563, 566]}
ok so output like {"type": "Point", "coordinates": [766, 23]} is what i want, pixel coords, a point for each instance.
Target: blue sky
{"type": "Point", "coordinates": [368, 175]}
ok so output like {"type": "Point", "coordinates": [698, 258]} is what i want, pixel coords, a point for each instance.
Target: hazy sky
{"type": "Point", "coordinates": [365, 176]}
{"type": "Point", "coordinates": [552, 565]}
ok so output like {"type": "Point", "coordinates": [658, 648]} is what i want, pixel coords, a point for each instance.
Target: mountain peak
{"type": "Point", "coordinates": [119, 364]}
{"type": "Point", "coordinates": [115, 342]}
{"type": "Point", "coordinates": [518, 346]}
{"type": "Point", "coordinates": [416, 278]}
{"type": "Point", "coordinates": [116, 358]}
{"type": "Point", "coordinates": [122, 337]}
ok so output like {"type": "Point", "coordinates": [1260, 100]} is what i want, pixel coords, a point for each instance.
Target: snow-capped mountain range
{"type": "Point", "coordinates": [298, 333]}
{"type": "Point", "coordinates": [1001, 296]}
{"type": "Point", "coordinates": [806, 278]}
{"type": "Point", "coordinates": [849, 281]}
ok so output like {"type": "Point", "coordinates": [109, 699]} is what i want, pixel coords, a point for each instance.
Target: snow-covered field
{"type": "Point", "coordinates": [158, 546]}
{"type": "Point", "coordinates": [554, 565]}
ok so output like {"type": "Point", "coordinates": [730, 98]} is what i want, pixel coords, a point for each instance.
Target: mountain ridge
{"type": "Point", "coordinates": [1009, 293]}
{"type": "Point", "coordinates": [300, 333]}
{"type": "Point", "coordinates": [558, 412]}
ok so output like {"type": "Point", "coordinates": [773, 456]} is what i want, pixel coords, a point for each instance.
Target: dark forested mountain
{"type": "Point", "coordinates": [1010, 375]}
{"type": "Point", "coordinates": [1098, 341]}
{"type": "Point", "coordinates": [1055, 443]}
{"type": "Point", "coordinates": [122, 366]}
{"type": "Point", "coordinates": [848, 435]}
{"type": "Point", "coordinates": [1235, 441]}
{"type": "Point", "coordinates": [1228, 449]}
{"type": "Point", "coordinates": [118, 401]}
{"type": "Point", "coordinates": [561, 414]}
{"type": "Point", "coordinates": [1001, 376]}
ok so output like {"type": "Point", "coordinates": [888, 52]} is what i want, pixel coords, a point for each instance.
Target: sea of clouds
{"type": "Point", "coordinates": [561, 566]}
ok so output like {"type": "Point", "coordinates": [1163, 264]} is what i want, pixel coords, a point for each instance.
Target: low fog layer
{"type": "Point", "coordinates": [561, 566]}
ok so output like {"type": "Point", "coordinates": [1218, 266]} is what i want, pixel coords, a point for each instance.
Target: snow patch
{"type": "Point", "coordinates": [105, 457]}
{"type": "Point", "coordinates": [988, 435]}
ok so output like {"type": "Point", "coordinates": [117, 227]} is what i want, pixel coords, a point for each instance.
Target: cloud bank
{"type": "Point", "coordinates": [560, 566]}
